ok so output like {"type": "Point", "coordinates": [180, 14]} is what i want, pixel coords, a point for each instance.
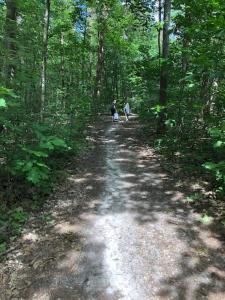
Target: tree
{"type": "Point", "coordinates": [44, 55]}
{"type": "Point", "coordinates": [101, 12]}
{"type": "Point", "coordinates": [10, 41]}
{"type": "Point", "coordinates": [159, 29]}
{"type": "Point", "coordinates": [164, 67]}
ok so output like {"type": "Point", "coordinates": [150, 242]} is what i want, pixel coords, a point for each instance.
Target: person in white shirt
{"type": "Point", "coordinates": [127, 111]}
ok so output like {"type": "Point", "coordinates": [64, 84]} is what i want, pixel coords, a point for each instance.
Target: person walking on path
{"type": "Point", "coordinates": [113, 109]}
{"type": "Point", "coordinates": [127, 111]}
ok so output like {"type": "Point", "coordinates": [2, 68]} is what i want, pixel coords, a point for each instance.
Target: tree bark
{"type": "Point", "coordinates": [44, 56]}
{"type": "Point", "coordinates": [62, 71]}
{"type": "Point", "coordinates": [184, 68]}
{"type": "Point", "coordinates": [84, 49]}
{"type": "Point", "coordinates": [10, 44]}
{"type": "Point", "coordinates": [101, 16]}
{"type": "Point", "coordinates": [99, 67]}
{"type": "Point", "coordinates": [184, 55]}
{"type": "Point", "coordinates": [159, 30]}
{"type": "Point", "coordinates": [164, 67]}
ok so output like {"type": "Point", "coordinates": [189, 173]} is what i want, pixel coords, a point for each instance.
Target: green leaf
{"type": "Point", "coordinates": [19, 216]}
{"type": "Point", "coordinates": [58, 142]}
{"type": "Point", "coordinates": [191, 85]}
{"type": "Point", "coordinates": [214, 166]}
{"type": "Point", "coordinates": [27, 166]}
{"type": "Point", "coordinates": [193, 198]}
{"type": "Point", "coordinates": [170, 123]}
{"type": "Point", "coordinates": [2, 247]}
{"type": "Point", "coordinates": [39, 153]}
{"type": "Point", "coordinates": [47, 145]}
{"type": "Point", "coordinates": [205, 219]}
{"type": "Point", "coordinates": [44, 166]}
{"type": "Point", "coordinates": [5, 91]}
{"type": "Point", "coordinates": [215, 132]}
{"type": "Point", "coordinates": [219, 144]}
{"type": "Point", "coordinates": [2, 102]}
{"type": "Point", "coordinates": [51, 142]}
{"type": "Point", "coordinates": [209, 166]}
{"type": "Point", "coordinates": [36, 176]}
{"type": "Point", "coordinates": [35, 152]}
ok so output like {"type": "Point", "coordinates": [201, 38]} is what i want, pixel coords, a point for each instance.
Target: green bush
{"type": "Point", "coordinates": [32, 160]}
{"type": "Point", "coordinates": [218, 167]}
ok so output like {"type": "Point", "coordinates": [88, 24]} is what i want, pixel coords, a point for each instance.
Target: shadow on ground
{"type": "Point", "coordinates": [120, 189]}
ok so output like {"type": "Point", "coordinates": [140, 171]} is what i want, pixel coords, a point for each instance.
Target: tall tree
{"type": "Point", "coordinates": [10, 44]}
{"type": "Point", "coordinates": [159, 28]}
{"type": "Point", "coordinates": [164, 67]}
{"type": "Point", "coordinates": [101, 11]}
{"type": "Point", "coordinates": [44, 55]}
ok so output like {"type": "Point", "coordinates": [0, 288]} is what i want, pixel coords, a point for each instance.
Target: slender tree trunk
{"type": "Point", "coordinates": [184, 68]}
{"type": "Point", "coordinates": [44, 56]}
{"type": "Point", "coordinates": [84, 49]}
{"type": "Point", "coordinates": [164, 67]}
{"type": "Point", "coordinates": [101, 16]}
{"type": "Point", "coordinates": [115, 83]}
{"type": "Point", "coordinates": [160, 31]}
{"type": "Point", "coordinates": [209, 90]}
{"type": "Point", "coordinates": [100, 64]}
{"type": "Point", "coordinates": [184, 55]}
{"type": "Point", "coordinates": [62, 70]}
{"type": "Point", "coordinates": [10, 45]}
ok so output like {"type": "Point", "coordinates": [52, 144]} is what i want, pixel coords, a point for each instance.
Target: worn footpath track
{"type": "Point", "coordinates": [120, 230]}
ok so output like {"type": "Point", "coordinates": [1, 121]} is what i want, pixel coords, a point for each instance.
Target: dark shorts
{"type": "Point", "coordinates": [113, 112]}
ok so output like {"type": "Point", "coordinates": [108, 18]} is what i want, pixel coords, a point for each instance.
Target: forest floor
{"type": "Point", "coordinates": [118, 228]}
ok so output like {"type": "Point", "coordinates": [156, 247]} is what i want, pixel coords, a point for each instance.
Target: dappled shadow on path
{"type": "Point", "coordinates": [123, 231]}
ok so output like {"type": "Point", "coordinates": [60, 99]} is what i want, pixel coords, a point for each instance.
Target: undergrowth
{"type": "Point", "coordinates": [35, 169]}
{"type": "Point", "coordinates": [189, 155]}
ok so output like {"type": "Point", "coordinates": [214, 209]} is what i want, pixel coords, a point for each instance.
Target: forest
{"type": "Point", "coordinates": [62, 64]}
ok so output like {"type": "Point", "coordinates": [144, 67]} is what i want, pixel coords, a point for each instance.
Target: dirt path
{"type": "Point", "coordinates": [120, 230]}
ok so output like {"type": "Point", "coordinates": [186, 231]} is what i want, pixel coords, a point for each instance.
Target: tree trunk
{"type": "Point", "coordinates": [44, 56]}
{"type": "Point", "coordinates": [84, 49]}
{"type": "Point", "coordinates": [99, 67]}
{"type": "Point", "coordinates": [184, 55]}
{"type": "Point", "coordinates": [62, 71]}
{"type": "Point", "coordinates": [10, 45]}
{"type": "Point", "coordinates": [101, 16]}
{"type": "Point", "coordinates": [164, 67]}
{"type": "Point", "coordinates": [184, 68]}
{"type": "Point", "coordinates": [159, 30]}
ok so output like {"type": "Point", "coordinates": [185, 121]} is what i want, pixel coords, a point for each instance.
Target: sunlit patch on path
{"type": "Point", "coordinates": [121, 231]}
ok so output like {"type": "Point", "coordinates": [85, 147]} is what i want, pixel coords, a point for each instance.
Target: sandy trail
{"type": "Point", "coordinates": [129, 237]}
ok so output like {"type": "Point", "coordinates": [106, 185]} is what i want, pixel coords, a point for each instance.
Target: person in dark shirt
{"type": "Point", "coordinates": [113, 109]}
